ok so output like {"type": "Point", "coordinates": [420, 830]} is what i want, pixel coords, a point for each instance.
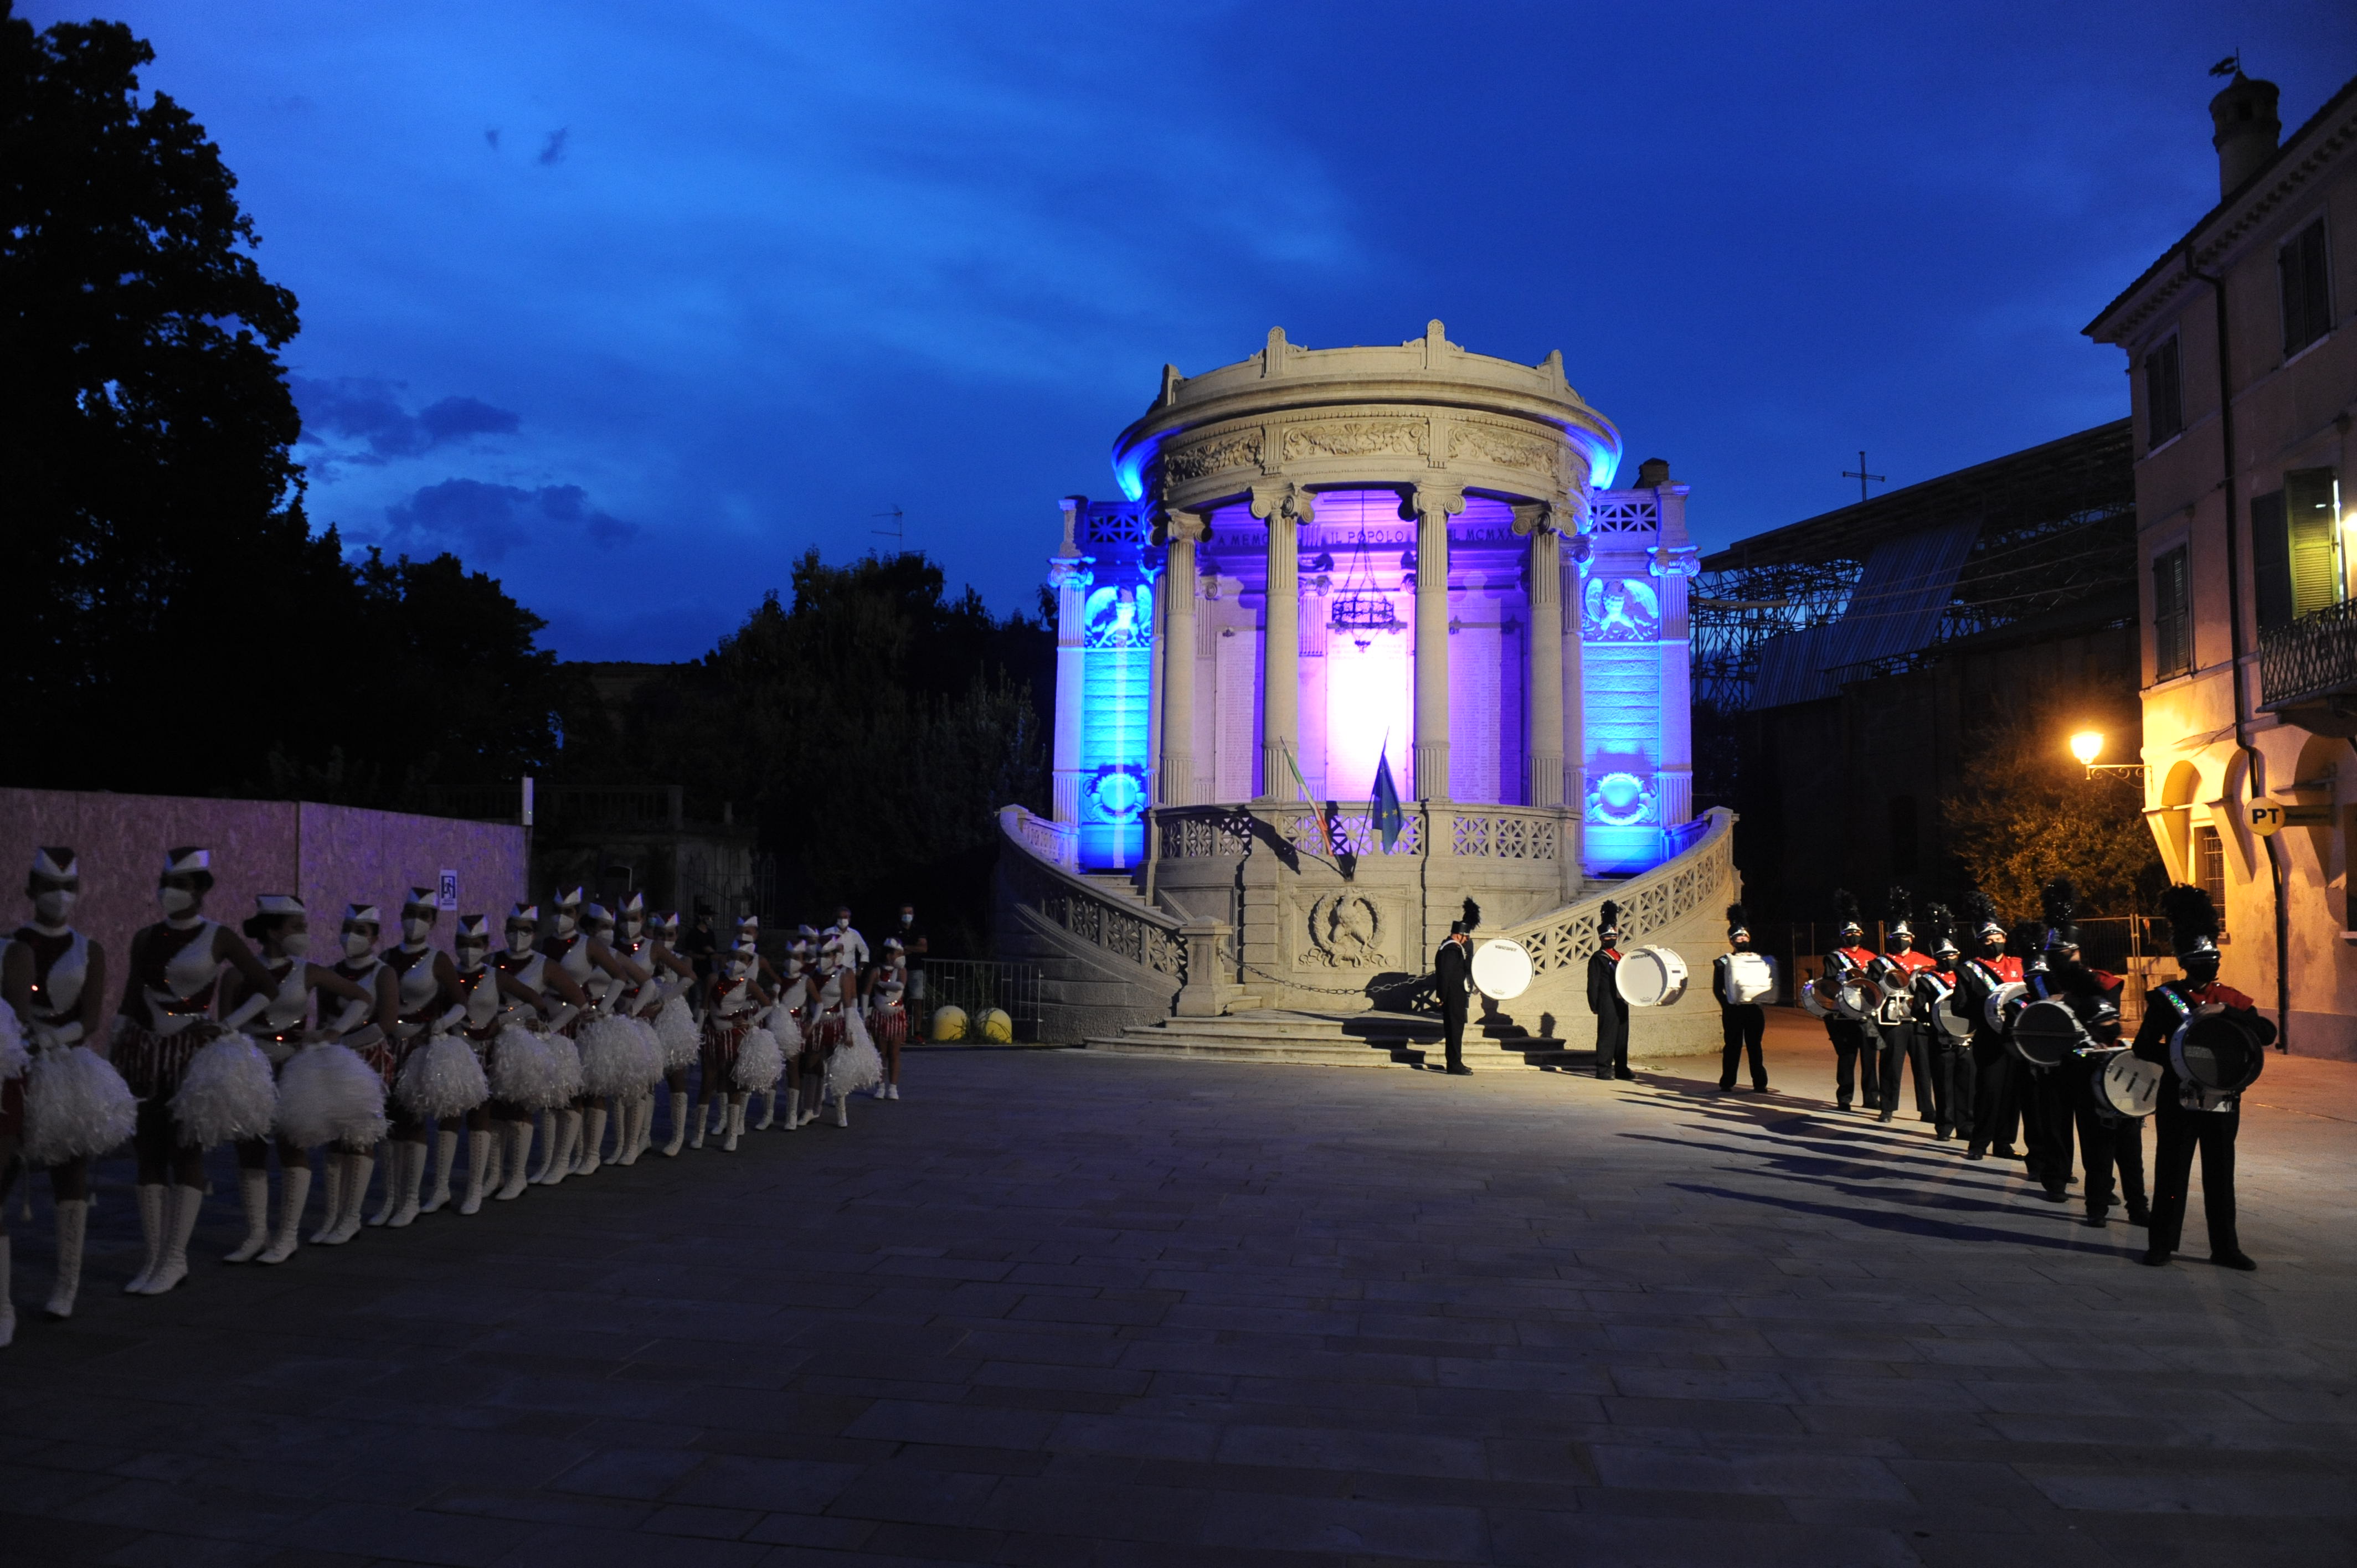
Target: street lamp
{"type": "Point", "coordinates": [2088, 745]}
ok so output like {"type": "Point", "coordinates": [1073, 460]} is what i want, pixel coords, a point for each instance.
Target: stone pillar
{"type": "Point", "coordinates": [1432, 506]}
{"type": "Point", "coordinates": [1180, 531]}
{"type": "Point", "coordinates": [1068, 573]}
{"type": "Point", "coordinates": [1543, 655]}
{"type": "Point", "coordinates": [1285, 507]}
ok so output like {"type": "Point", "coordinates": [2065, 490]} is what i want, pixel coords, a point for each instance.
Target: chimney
{"type": "Point", "coordinates": [1652, 472]}
{"type": "Point", "coordinates": [2248, 131]}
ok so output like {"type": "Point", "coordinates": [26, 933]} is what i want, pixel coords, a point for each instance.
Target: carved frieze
{"type": "Point", "coordinates": [1237, 449]}
{"type": "Point", "coordinates": [1500, 448]}
{"type": "Point", "coordinates": [1356, 438]}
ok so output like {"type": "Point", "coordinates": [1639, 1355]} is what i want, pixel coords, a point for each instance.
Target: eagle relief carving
{"type": "Point", "coordinates": [1237, 450]}
{"type": "Point", "coordinates": [1345, 931]}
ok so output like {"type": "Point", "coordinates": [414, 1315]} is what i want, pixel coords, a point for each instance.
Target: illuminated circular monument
{"type": "Point", "coordinates": [1326, 561]}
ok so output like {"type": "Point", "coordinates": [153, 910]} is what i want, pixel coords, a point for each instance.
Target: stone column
{"type": "Point", "coordinates": [1180, 531]}
{"type": "Point", "coordinates": [1285, 507]}
{"type": "Point", "coordinates": [1068, 573]}
{"type": "Point", "coordinates": [1432, 506]}
{"type": "Point", "coordinates": [1543, 658]}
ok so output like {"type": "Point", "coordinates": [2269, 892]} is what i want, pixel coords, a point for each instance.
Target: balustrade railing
{"type": "Point", "coordinates": [1470, 833]}
{"type": "Point", "coordinates": [1649, 903]}
{"type": "Point", "coordinates": [1040, 882]}
{"type": "Point", "coordinates": [2314, 656]}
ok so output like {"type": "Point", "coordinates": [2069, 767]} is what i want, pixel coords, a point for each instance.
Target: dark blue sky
{"type": "Point", "coordinates": [631, 304]}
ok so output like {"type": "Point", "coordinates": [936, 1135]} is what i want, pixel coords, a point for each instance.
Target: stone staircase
{"type": "Point", "coordinates": [1342, 1040]}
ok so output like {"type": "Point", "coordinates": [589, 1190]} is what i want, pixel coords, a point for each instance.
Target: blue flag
{"type": "Point", "coordinates": [1387, 801]}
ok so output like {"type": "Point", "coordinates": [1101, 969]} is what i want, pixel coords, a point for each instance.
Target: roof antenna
{"type": "Point", "coordinates": [2231, 66]}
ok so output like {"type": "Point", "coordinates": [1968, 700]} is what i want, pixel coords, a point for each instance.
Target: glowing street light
{"type": "Point", "coordinates": [2087, 746]}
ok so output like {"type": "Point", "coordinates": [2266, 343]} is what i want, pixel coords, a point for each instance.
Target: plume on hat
{"type": "Point", "coordinates": [1736, 918]}
{"type": "Point", "coordinates": [2027, 941]}
{"type": "Point", "coordinates": [2193, 918]}
{"type": "Point", "coordinates": [1939, 926]}
{"type": "Point", "coordinates": [1980, 912]}
{"type": "Point", "coordinates": [1609, 918]}
{"type": "Point", "coordinates": [2060, 901]}
{"type": "Point", "coordinates": [1845, 906]}
{"type": "Point", "coordinates": [1899, 905]}
{"type": "Point", "coordinates": [1472, 915]}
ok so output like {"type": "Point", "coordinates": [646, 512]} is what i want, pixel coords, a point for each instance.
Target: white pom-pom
{"type": "Point", "coordinates": [228, 1093]}
{"type": "Point", "coordinates": [534, 1071]}
{"type": "Point", "coordinates": [855, 1064]}
{"type": "Point", "coordinates": [15, 1060]}
{"type": "Point", "coordinates": [652, 1058]}
{"type": "Point", "coordinates": [327, 1094]}
{"type": "Point", "coordinates": [609, 1056]}
{"type": "Point", "coordinates": [675, 1026]}
{"type": "Point", "coordinates": [788, 1031]}
{"type": "Point", "coordinates": [76, 1105]}
{"type": "Point", "coordinates": [442, 1080]}
{"type": "Point", "coordinates": [759, 1061]}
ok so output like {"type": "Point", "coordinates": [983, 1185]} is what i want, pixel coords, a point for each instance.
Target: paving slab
{"type": "Point", "coordinates": [1071, 1308]}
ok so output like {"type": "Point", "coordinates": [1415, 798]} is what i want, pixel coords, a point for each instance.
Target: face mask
{"type": "Point", "coordinates": [632, 926]}
{"type": "Point", "coordinates": [471, 955]}
{"type": "Point", "coordinates": [52, 907]}
{"type": "Point", "coordinates": [907, 918]}
{"type": "Point", "coordinates": [295, 944]}
{"type": "Point", "coordinates": [1901, 944]}
{"type": "Point", "coordinates": [566, 924]}
{"type": "Point", "coordinates": [175, 900]}
{"type": "Point", "coordinates": [415, 926]}
{"type": "Point", "coordinates": [843, 923]}
{"type": "Point", "coordinates": [356, 945]}
{"type": "Point", "coordinates": [520, 939]}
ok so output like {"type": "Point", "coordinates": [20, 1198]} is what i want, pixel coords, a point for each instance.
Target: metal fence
{"type": "Point", "coordinates": [2310, 657]}
{"type": "Point", "coordinates": [978, 984]}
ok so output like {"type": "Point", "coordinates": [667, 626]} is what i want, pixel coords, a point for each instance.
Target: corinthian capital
{"type": "Point", "coordinates": [1433, 500]}
{"type": "Point", "coordinates": [1172, 523]}
{"type": "Point", "coordinates": [1534, 518]}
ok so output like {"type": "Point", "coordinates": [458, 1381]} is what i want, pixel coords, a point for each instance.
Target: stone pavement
{"type": "Point", "coordinates": [1066, 1308]}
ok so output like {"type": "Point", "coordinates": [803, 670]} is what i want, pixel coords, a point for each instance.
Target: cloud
{"type": "Point", "coordinates": [362, 409]}
{"type": "Point", "coordinates": [481, 521]}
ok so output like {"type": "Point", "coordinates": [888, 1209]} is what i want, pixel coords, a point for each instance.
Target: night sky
{"type": "Point", "coordinates": [630, 305]}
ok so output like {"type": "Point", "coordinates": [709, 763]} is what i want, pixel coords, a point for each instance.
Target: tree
{"type": "Point", "coordinates": [172, 624]}
{"type": "Point", "coordinates": [2031, 814]}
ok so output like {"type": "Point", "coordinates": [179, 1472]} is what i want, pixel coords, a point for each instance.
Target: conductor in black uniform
{"type": "Point", "coordinates": [1452, 973]}
{"type": "Point", "coordinates": [1604, 998]}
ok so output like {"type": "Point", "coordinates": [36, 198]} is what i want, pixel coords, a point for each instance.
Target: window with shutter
{"type": "Point", "coordinates": [2302, 270]}
{"type": "Point", "coordinates": [2312, 538]}
{"type": "Point", "coordinates": [2210, 868]}
{"type": "Point", "coordinates": [2270, 561]}
{"type": "Point", "coordinates": [2164, 401]}
{"type": "Point", "coordinates": [2173, 625]}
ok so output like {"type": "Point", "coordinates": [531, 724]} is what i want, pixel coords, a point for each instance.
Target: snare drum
{"type": "Point", "coordinates": [2214, 1050]}
{"type": "Point", "coordinates": [1502, 969]}
{"type": "Point", "coordinates": [1858, 999]}
{"type": "Point", "coordinates": [1999, 1007]}
{"type": "Point", "coordinates": [2128, 1086]}
{"type": "Point", "coordinates": [1750, 977]}
{"type": "Point", "coordinates": [1651, 977]}
{"type": "Point", "coordinates": [1814, 1000]}
{"type": "Point", "coordinates": [2045, 1033]}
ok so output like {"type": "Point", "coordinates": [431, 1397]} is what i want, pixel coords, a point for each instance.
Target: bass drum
{"type": "Point", "coordinates": [2046, 1032]}
{"type": "Point", "coordinates": [1651, 977]}
{"type": "Point", "coordinates": [2217, 1051]}
{"type": "Point", "coordinates": [1857, 998]}
{"type": "Point", "coordinates": [1998, 1010]}
{"type": "Point", "coordinates": [1940, 1000]}
{"type": "Point", "coordinates": [1813, 1000]}
{"type": "Point", "coordinates": [2128, 1086]}
{"type": "Point", "coordinates": [1502, 969]}
{"type": "Point", "coordinates": [1750, 978]}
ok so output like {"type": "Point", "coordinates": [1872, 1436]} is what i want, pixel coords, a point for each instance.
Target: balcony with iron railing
{"type": "Point", "coordinates": [2312, 660]}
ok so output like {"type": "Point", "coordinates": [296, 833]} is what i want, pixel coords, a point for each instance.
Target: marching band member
{"type": "Point", "coordinates": [1742, 1025]}
{"type": "Point", "coordinates": [2107, 1146]}
{"type": "Point", "coordinates": [1604, 998]}
{"type": "Point", "coordinates": [648, 944]}
{"type": "Point", "coordinates": [175, 972]}
{"type": "Point", "coordinates": [1978, 978]}
{"type": "Point", "coordinates": [1950, 1062]}
{"type": "Point", "coordinates": [2191, 1117]}
{"type": "Point", "coordinates": [791, 1020]}
{"type": "Point", "coordinates": [68, 1105]}
{"type": "Point", "coordinates": [426, 983]}
{"type": "Point", "coordinates": [675, 1026]}
{"type": "Point", "coordinates": [887, 1014]}
{"type": "Point", "coordinates": [535, 1070]}
{"type": "Point", "coordinates": [282, 927]}
{"type": "Point", "coordinates": [368, 1031]}
{"type": "Point", "coordinates": [486, 992]}
{"type": "Point", "coordinates": [850, 1062]}
{"type": "Point", "coordinates": [1903, 1045]}
{"type": "Point", "coordinates": [583, 953]}
{"type": "Point", "coordinates": [1855, 1039]}
{"type": "Point", "coordinates": [2046, 1092]}
{"type": "Point", "coordinates": [736, 993]}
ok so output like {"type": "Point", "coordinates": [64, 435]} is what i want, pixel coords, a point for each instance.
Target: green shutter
{"type": "Point", "coordinates": [2312, 540]}
{"type": "Point", "coordinates": [2271, 561]}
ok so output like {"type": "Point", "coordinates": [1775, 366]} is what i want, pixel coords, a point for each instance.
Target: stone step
{"type": "Point", "coordinates": [1353, 1039]}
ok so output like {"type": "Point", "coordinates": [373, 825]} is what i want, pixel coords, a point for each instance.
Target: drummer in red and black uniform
{"type": "Point", "coordinates": [1742, 1025]}
{"type": "Point", "coordinates": [1935, 985]}
{"type": "Point", "coordinates": [2108, 1142]}
{"type": "Point", "coordinates": [1903, 1045]}
{"type": "Point", "coordinates": [1989, 1064]}
{"type": "Point", "coordinates": [2047, 1144]}
{"type": "Point", "coordinates": [2189, 1116]}
{"type": "Point", "coordinates": [1604, 998]}
{"type": "Point", "coordinates": [1848, 965]}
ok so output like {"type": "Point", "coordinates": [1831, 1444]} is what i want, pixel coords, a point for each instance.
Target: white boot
{"type": "Point", "coordinates": [179, 1219]}
{"type": "Point", "coordinates": [896, 1090]}
{"type": "Point", "coordinates": [518, 1157]}
{"type": "Point", "coordinates": [646, 1121]}
{"type": "Point", "coordinates": [815, 1105]}
{"type": "Point", "coordinates": [358, 1168]}
{"type": "Point", "coordinates": [294, 1189]}
{"type": "Point", "coordinates": [842, 1109]}
{"type": "Point", "coordinates": [734, 1124]}
{"type": "Point", "coordinates": [593, 1137]}
{"type": "Point", "coordinates": [793, 1109]}
{"type": "Point", "coordinates": [695, 1115]}
{"type": "Point", "coordinates": [253, 1189]}
{"type": "Point", "coordinates": [331, 1193]}
{"type": "Point", "coordinates": [7, 1302]}
{"type": "Point", "coordinates": [73, 1223]}
{"type": "Point", "coordinates": [446, 1151]}
{"type": "Point", "coordinates": [548, 1121]}
{"type": "Point", "coordinates": [768, 1099]}
{"type": "Point", "coordinates": [720, 1114]}
{"type": "Point", "coordinates": [479, 1157]}
{"type": "Point", "coordinates": [564, 1134]}
{"type": "Point", "coordinates": [678, 1113]}
{"type": "Point", "coordinates": [392, 1198]}
{"type": "Point", "coordinates": [151, 1196]}
{"type": "Point", "coordinates": [495, 1173]}
{"type": "Point", "coordinates": [409, 1171]}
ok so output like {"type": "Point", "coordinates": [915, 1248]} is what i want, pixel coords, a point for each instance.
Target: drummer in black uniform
{"type": "Point", "coordinates": [1951, 1088]}
{"type": "Point", "coordinates": [2189, 1116]}
{"type": "Point", "coordinates": [1604, 998]}
{"type": "Point", "coordinates": [1742, 1025]}
{"type": "Point", "coordinates": [2108, 1142]}
{"type": "Point", "coordinates": [1990, 1062]}
{"type": "Point", "coordinates": [1853, 1038]}
{"type": "Point", "coordinates": [2048, 1148]}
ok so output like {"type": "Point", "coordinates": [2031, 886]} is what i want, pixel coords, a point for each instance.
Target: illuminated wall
{"type": "Point", "coordinates": [1636, 766]}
